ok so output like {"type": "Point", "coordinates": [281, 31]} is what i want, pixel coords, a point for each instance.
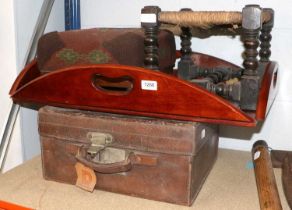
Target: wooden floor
{"type": "Point", "coordinates": [230, 185]}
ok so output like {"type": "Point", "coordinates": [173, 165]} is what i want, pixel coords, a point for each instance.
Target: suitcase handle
{"type": "Point", "coordinates": [116, 167]}
{"type": "Point", "coordinates": [108, 168]}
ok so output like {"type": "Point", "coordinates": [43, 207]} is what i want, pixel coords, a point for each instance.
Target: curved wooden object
{"type": "Point", "coordinates": [174, 98]}
{"type": "Point", "coordinates": [268, 90]}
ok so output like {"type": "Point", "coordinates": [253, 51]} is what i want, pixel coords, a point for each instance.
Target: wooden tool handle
{"type": "Point", "coordinates": [265, 178]}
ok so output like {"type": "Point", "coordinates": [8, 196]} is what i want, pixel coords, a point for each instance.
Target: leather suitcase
{"type": "Point", "coordinates": [157, 159]}
{"type": "Point", "coordinates": [102, 45]}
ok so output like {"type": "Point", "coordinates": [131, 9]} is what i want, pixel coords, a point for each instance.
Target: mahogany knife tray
{"type": "Point", "coordinates": [139, 91]}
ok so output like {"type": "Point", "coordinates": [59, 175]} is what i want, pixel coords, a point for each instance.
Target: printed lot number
{"type": "Point", "coordinates": [149, 85]}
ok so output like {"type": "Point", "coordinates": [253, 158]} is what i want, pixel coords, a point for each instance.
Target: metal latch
{"type": "Point", "coordinates": [98, 142]}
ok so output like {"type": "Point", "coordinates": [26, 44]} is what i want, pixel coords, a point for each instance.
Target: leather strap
{"type": "Point", "coordinates": [117, 167]}
{"type": "Point", "coordinates": [108, 168]}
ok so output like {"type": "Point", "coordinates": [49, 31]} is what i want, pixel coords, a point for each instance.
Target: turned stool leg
{"type": "Point", "coordinates": [251, 24]}
{"type": "Point", "coordinates": [250, 82]}
{"type": "Point", "coordinates": [266, 37]}
{"type": "Point", "coordinates": [150, 23]}
{"type": "Point", "coordinates": [185, 64]}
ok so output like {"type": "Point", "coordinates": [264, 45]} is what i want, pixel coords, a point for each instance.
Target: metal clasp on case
{"type": "Point", "coordinates": [98, 142]}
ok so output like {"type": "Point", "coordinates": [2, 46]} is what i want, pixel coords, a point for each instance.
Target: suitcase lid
{"type": "Point", "coordinates": [128, 132]}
